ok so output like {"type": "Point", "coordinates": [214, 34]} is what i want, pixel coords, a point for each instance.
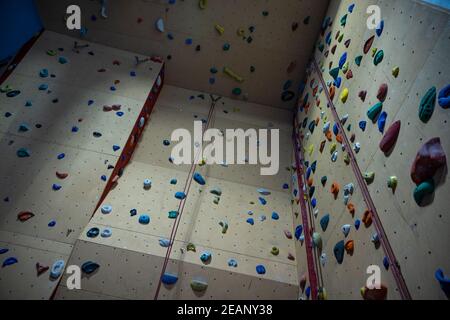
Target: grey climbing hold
{"type": "Point", "coordinates": [106, 209]}
{"type": "Point", "coordinates": [107, 233]}
{"type": "Point", "coordinates": [199, 286]}
{"type": "Point", "coordinates": [147, 184]}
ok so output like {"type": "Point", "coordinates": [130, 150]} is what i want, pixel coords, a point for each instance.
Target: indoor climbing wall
{"type": "Point", "coordinates": [264, 43]}
{"type": "Point", "coordinates": [235, 237]}
{"type": "Point", "coordinates": [390, 90]}
{"type": "Point", "coordinates": [66, 114]}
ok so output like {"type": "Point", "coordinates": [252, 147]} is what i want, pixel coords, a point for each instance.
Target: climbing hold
{"type": "Point", "coordinates": [422, 190]}
{"type": "Point", "coordinates": [56, 187]}
{"type": "Point", "coordinates": [224, 226]}
{"type": "Point", "coordinates": [317, 240]}
{"type": "Point", "coordinates": [275, 251]}
{"type": "Point", "coordinates": [260, 269]}
{"type": "Point", "coordinates": [43, 73]}
{"type": "Point", "coordinates": [362, 94]}
{"type": "Point", "coordinates": [427, 105]}
{"type": "Point", "coordinates": [169, 279]}
{"type": "Point", "coordinates": [160, 25]}
{"type": "Point", "coordinates": [396, 72]}
{"type": "Point", "coordinates": [335, 189]}
{"type": "Point", "coordinates": [350, 247]}
{"type": "Point", "coordinates": [368, 44]}
{"type": "Point", "coordinates": [298, 232]}
{"type": "Point", "coordinates": [444, 282]}
{"type": "Point", "coordinates": [369, 177]}
{"type": "Point", "coordinates": [367, 218]}
{"type": "Point", "coordinates": [93, 232]}
{"type": "Point", "coordinates": [57, 269]}
{"type": "Point", "coordinates": [346, 229]}
{"type": "Point", "coordinates": [232, 263]}
{"type": "Point", "coordinates": [262, 201]}
{"type": "Point", "coordinates": [275, 216]}
{"type": "Point", "coordinates": [106, 209]}
{"type": "Point", "coordinates": [24, 216]}
{"type": "Point", "coordinates": [165, 243]}
{"type": "Point", "coordinates": [444, 97]}
{"type": "Point", "coordinates": [382, 92]}
{"type": "Point", "coordinates": [392, 183]}
{"type": "Point", "coordinates": [324, 180]}
{"type": "Point", "coordinates": [358, 60]}
{"type": "Point", "coordinates": [386, 263]}
{"type": "Point", "coordinates": [144, 219]}
{"type": "Point", "coordinates": [357, 224]}
{"type": "Point", "coordinates": [173, 181]}
{"type": "Point", "coordinates": [288, 234]}
{"type": "Point", "coordinates": [335, 73]}
{"type": "Point", "coordinates": [23, 153]}
{"type": "Point", "coordinates": [63, 60]}
{"type": "Point", "coordinates": [251, 221]}
{"type": "Point", "coordinates": [430, 158]}
{"type": "Point", "coordinates": [390, 138]}
{"type": "Point", "coordinates": [263, 192]}
{"type": "Point", "coordinates": [205, 257]}
{"type": "Point", "coordinates": [147, 184]}
{"type": "Point", "coordinates": [13, 93]}
{"type": "Point", "coordinates": [9, 262]}
{"type": "Point", "coordinates": [203, 4]}
{"type": "Point", "coordinates": [41, 269]}
{"type": "Point", "coordinates": [216, 191]}
{"type": "Point", "coordinates": [3, 251]}
{"type": "Point", "coordinates": [379, 29]}
{"type": "Point", "coordinates": [191, 247]}
{"type": "Point", "coordinates": [173, 214]}
{"type": "Point", "coordinates": [51, 224]}
{"type": "Point", "coordinates": [89, 267]}
{"type": "Point", "coordinates": [344, 95]}
{"type": "Point", "coordinates": [382, 121]}
{"type": "Point", "coordinates": [197, 285]}
{"type": "Point", "coordinates": [374, 294]}
{"type": "Point", "coordinates": [233, 75]}
{"type": "Point", "coordinates": [374, 111]}
{"type": "Point", "coordinates": [362, 125]}
{"type": "Point", "coordinates": [166, 143]}
{"type": "Point", "coordinates": [199, 179]}
{"type": "Point", "coordinates": [106, 233]}
{"type": "Point", "coordinates": [378, 57]}
{"type": "Point", "coordinates": [339, 251]}
{"type": "Point", "coordinates": [180, 195]}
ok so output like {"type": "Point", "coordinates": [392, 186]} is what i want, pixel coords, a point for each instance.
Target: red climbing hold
{"type": "Point", "coordinates": [116, 62]}
{"type": "Point", "coordinates": [390, 138]}
{"type": "Point", "coordinates": [25, 215]}
{"type": "Point", "coordinates": [430, 158]}
{"type": "Point", "coordinates": [333, 50]}
{"type": "Point", "coordinates": [368, 44]}
{"type": "Point", "coordinates": [349, 74]}
{"type": "Point", "coordinates": [41, 269]}
{"type": "Point", "coordinates": [62, 176]}
{"type": "Point", "coordinates": [363, 95]}
{"type": "Point", "coordinates": [382, 92]}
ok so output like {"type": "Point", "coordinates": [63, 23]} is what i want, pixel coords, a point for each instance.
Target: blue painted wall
{"type": "Point", "coordinates": [19, 22]}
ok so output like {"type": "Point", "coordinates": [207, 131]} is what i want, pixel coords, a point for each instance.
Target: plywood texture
{"type": "Point", "coordinates": [415, 38]}
{"type": "Point", "coordinates": [248, 245]}
{"type": "Point", "coordinates": [26, 183]}
{"type": "Point", "coordinates": [273, 48]}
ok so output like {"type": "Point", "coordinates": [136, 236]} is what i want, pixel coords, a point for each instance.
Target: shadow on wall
{"type": "Point", "coordinates": [19, 22]}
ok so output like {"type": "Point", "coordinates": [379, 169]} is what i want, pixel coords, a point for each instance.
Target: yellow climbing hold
{"type": "Point", "coordinates": [232, 74]}
{"type": "Point", "coordinates": [203, 4]}
{"type": "Point", "coordinates": [220, 29]}
{"type": "Point", "coordinates": [344, 95]}
{"type": "Point", "coordinates": [333, 147]}
{"type": "Point", "coordinates": [311, 150]}
{"type": "Point", "coordinates": [395, 72]}
{"type": "Point", "coordinates": [241, 32]}
{"type": "Point", "coordinates": [345, 67]}
{"type": "Point", "coordinates": [374, 52]}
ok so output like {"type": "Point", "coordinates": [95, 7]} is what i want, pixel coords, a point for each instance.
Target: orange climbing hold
{"type": "Point", "coordinates": [351, 209]}
{"type": "Point", "coordinates": [335, 189]}
{"type": "Point", "coordinates": [339, 138]}
{"type": "Point", "coordinates": [350, 247]}
{"type": "Point", "coordinates": [24, 216]}
{"type": "Point", "coordinates": [332, 92]}
{"type": "Point", "coordinates": [329, 135]}
{"type": "Point", "coordinates": [367, 218]}
{"type": "Point", "coordinates": [310, 182]}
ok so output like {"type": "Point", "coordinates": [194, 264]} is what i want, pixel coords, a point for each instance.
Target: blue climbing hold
{"type": "Point", "coordinates": [133, 212]}
{"type": "Point", "coordinates": [263, 192]}
{"type": "Point", "coordinates": [144, 219]}
{"type": "Point", "coordinates": [338, 82]}
{"type": "Point", "coordinates": [275, 216]}
{"type": "Point", "coordinates": [298, 232]}
{"type": "Point", "coordinates": [23, 153]}
{"type": "Point", "coordinates": [165, 243]}
{"type": "Point", "coordinates": [52, 223]}
{"type": "Point", "coordinates": [62, 60]}
{"type": "Point", "coordinates": [444, 97]}
{"type": "Point", "coordinates": [335, 129]}
{"type": "Point", "coordinates": [180, 195]}
{"type": "Point", "coordinates": [308, 172]}
{"type": "Point", "coordinates": [324, 222]}
{"type": "Point", "coordinates": [380, 28]}
{"type": "Point", "coordinates": [205, 256]}
{"type": "Point", "coordinates": [43, 87]}
{"type": "Point", "coordinates": [262, 201]}
{"type": "Point", "coordinates": [250, 221]}
{"type": "Point", "coordinates": [382, 121]}
{"type": "Point", "coordinates": [363, 125]}
{"type": "Point", "coordinates": [57, 269]}
{"type": "Point", "coordinates": [61, 156]}
{"type": "Point", "coordinates": [232, 263]}
{"type": "Point", "coordinates": [386, 263]}
{"type": "Point", "coordinates": [314, 203]}
{"type": "Point", "coordinates": [188, 41]}
{"type": "Point", "coordinates": [106, 209]}
{"type": "Point", "coordinates": [104, 178]}
{"type": "Point", "coordinates": [169, 279]}
{"type": "Point", "coordinates": [43, 73]}
{"type": "Point", "coordinates": [116, 148]}
{"type": "Point", "coordinates": [314, 166]}
{"type": "Point", "coordinates": [351, 8]}
{"type": "Point", "coordinates": [443, 281]}
{"type": "Point", "coordinates": [199, 179]}
{"type": "Point", "coordinates": [308, 292]}
{"type": "Point", "coordinates": [166, 143]}
{"type": "Point", "coordinates": [3, 251]}
{"type": "Point", "coordinates": [342, 60]}
{"type": "Point", "coordinates": [90, 102]}
{"type": "Point", "coordinates": [132, 74]}
{"type": "Point", "coordinates": [260, 269]}
{"type": "Point", "coordinates": [93, 232]}
{"type": "Point", "coordinates": [357, 224]}
{"type": "Point", "coordinates": [9, 262]}
{"type": "Point", "coordinates": [120, 114]}
{"type": "Point", "coordinates": [89, 267]}
{"type": "Point", "coordinates": [56, 187]}
{"type": "Point", "coordinates": [338, 250]}
{"type": "Point", "coordinates": [106, 233]}
{"type": "Point", "coordinates": [173, 181]}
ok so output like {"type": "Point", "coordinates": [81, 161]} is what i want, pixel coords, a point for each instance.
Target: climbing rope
{"type": "Point", "coordinates": [187, 188]}
{"type": "Point", "coordinates": [400, 281]}
{"type": "Point", "coordinates": [304, 211]}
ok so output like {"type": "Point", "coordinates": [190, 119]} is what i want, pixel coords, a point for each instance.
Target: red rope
{"type": "Point", "coordinates": [395, 267]}
{"type": "Point", "coordinates": [187, 188]}
{"type": "Point", "coordinates": [304, 211]}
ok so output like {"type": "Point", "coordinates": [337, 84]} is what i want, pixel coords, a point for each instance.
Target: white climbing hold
{"type": "Point", "coordinates": [346, 229]}
{"type": "Point", "coordinates": [160, 25]}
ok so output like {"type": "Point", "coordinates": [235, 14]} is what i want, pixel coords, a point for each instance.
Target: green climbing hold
{"type": "Point", "coordinates": [344, 20]}
{"type": "Point", "coordinates": [173, 214]}
{"type": "Point", "coordinates": [427, 105]}
{"type": "Point", "coordinates": [369, 177]}
{"type": "Point", "coordinates": [237, 91]}
{"type": "Point", "coordinates": [199, 286]}
{"type": "Point", "coordinates": [422, 190]}
{"type": "Point", "coordinates": [378, 57]}
{"type": "Point", "coordinates": [317, 240]}
{"type": "Point", "coordinates": [51, 53]}
{"type": "Point", "coordinates": [275, 251]}
{"type": "Point", "coordinates": [334, 73]}
{"type": "Point", "coordinates": [375, 111]}
{"type": "Point", "coordinates": [358, 60]}
{"type": "Point", "coordinates": [224, 226]}
{"type": "Point", "coordinates": [191, 247]}
{"type": "Point", "coordinates": [203, 4]}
